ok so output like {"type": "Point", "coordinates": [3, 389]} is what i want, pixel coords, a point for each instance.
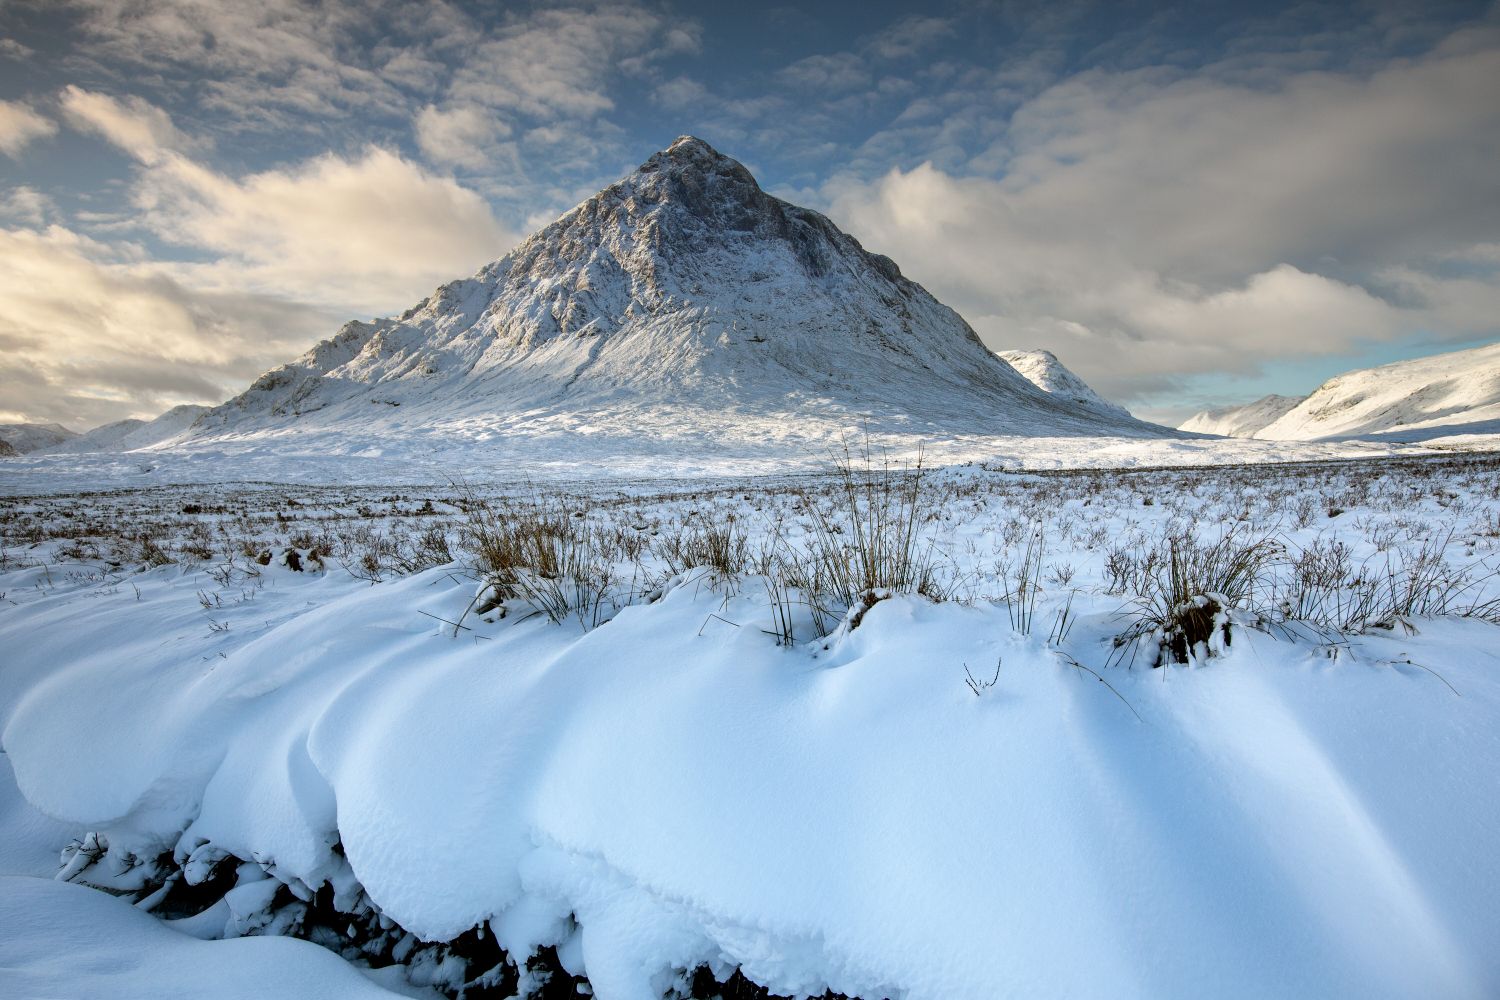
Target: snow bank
{"type": "Point", "coordinates": [847, 815]}
{"type": "Point", "coordinates": [112, 951]}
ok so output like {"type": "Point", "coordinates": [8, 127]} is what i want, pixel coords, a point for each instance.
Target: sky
{"type": "Point", "coordinates": [1191, 205]}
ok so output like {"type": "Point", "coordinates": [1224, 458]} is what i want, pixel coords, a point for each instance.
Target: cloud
{"type": "Point", "coordinates": [134, 125]}
{"type": "Point", "coordinates": [26, 205]}
{"type": "Point", "coordinates": [909, 36]}
{"type": "Point", "coordinates": [95, 331]}
{"type": "Point", "coordinates": [841, 71]}
{"type": "Point", "coordinates": [464, 136]}
{"type": "Point", "coordinates": [20, 126]}
{"type": "Point", "coordinates": [366, 234]}
{"type": "Point", "coordinates": [272, 63]}
{"type": "Point", "coordinates": [557, 62]}
{"type": "Point", "coordinates": [1148, 224]}
{"type": "Point", "coordinates": [92, 335]}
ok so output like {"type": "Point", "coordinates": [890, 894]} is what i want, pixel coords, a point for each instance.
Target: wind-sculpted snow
{"type": "Point", "coordinates": [681, 298]}
{"type": "Point", "coordinates": [672, 788]}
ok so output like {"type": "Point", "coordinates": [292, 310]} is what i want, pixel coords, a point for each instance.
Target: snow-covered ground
{"type": "Point", "coordinates": [977, 792]}
{"type": "Point", "coordinates": [553, 448]}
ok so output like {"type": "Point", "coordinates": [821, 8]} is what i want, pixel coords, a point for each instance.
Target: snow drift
{"type": "Point", "coordinates": [673, 789]}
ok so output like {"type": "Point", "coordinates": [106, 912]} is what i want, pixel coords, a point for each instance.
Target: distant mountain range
{"type": "Point", "coordinates": [1241, 421]}
{"type": "Point", "coordinates": [122, 435]}
{"type": "Point", "coordinates": [25, 438]}
{"type": "Point", "coordinates": [1424, 399]}
{"type": "Point", "coordinates": [683, 309]}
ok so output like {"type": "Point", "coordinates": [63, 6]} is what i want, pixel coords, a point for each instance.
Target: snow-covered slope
{"type": "Point", "coordinates": [34, 437]}
{"type": "Point", "coordinates": [1443, 395]}
{"type": "Point", "coordinates": [127, 435]}
{"type": "Point", "coordinates": [1043, 370]}
{"type": "Point", "coordinates": [1241, 421]}
{"type": "Point", "coordinates": [680, 306]}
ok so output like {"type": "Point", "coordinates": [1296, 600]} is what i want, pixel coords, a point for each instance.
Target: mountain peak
{"type": "Point", "coordinates": [681, 300]}
{"type": "Point", "coordinates": [692, 174]}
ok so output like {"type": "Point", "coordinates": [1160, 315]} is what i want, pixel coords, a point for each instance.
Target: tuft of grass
{"type": "Point", "coordinates": [539, 551]}
{"type": "Point", "coordinates": [1184, 613]}
{"type": "Point", "coordinates": [868, 540]}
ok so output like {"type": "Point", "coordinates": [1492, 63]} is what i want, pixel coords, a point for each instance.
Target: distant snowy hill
{"type": "Point", "coordinates": [680, 309]}
{"type": "Point", "coordinates": [34, 437]}
{"type": "Point", "coordinates": [1043, 370]}
{"type": "Point", "coordinates": [1443, 395]}
{"type": "Point", "coordinates": [1241, 421]}
{"type": "Point", "coordinates": [128, 435]}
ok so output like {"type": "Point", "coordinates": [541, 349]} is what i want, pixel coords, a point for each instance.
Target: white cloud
{"type": "Point", "coordinates": [839, 72]}
{"type": "Point", "coordinates": [464, 136]}
{"type": "Point", "coordinates": [139, 128]}
{"type": "Point", "coordinates": [366, 234]}
{"type": "Point", "coordinates": [26, 205]}
{"type": "Point", "coordinates": [20, 126]}
{"type": "Point", "coordinates": [88, 334]}
{"type": "Point", "coordinates": [91, 332]}
{"type": "Point", "coordinates": [1154, 223]}
{"type": "Point", "coordinates": [557, 62]}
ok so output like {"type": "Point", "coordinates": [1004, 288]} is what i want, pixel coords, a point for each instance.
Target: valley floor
{"type": "Point", "coordinates": [280, 724]}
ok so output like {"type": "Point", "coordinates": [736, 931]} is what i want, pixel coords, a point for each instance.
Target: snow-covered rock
{"type": "Point", "coordinates": [7, 450]}
{"type": "Point", "coordinates": [34, 437]}
{"type": "Point", "coordinates": [128, 435]}
{"type": "Point", "coordinates": [1241, 421]}
{"type": "Point", "coordinates": [1442, 395]}
{"type": "Point", "coordinates": [1043, 370]}
{"type": "Point", "coordinates": [682, 305]}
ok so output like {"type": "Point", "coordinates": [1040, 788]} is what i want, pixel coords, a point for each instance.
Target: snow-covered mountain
{"type": "Point", "coordinates": [1442, 395]}
{"type": "Point", "coordinates": [128, 435]}
{"type": "Point", "coordinates": [26, 438]}
{"type": "Point", "coordinates": [1042, 369]}
{"type": "Point", "coordinates": [1241, 421]}
{"type": "Point", "coordinates": [681, 306]}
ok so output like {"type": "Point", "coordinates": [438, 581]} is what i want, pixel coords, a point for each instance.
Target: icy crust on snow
{"type": "Point", "coordinates": [681, 302]}
{"type": "Point", "coordinates": [850, 817]}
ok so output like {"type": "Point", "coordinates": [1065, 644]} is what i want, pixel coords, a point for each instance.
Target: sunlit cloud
{"type": "Point", "coordinates": [20, 126]}
{"type": "Point", "coordinates": [90, 333]}
{"type": "Point", "coordinates": [1147, 225]}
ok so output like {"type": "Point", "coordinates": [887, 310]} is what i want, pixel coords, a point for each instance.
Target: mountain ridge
{"type": "Point", "coordinates": [1452, 394]}
{"type": "Point", "coordinates": [681, 294]}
